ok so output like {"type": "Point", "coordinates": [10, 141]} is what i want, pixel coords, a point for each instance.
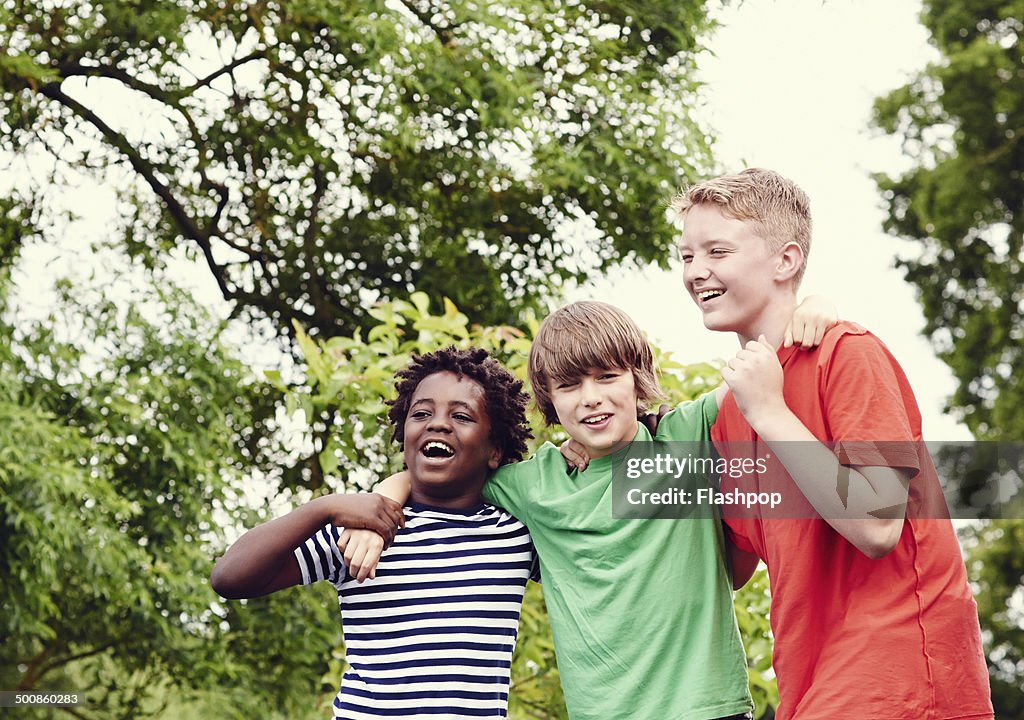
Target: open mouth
{"type": "Point", "coordinates": [706, 295]}
{"type": "Point", "coordinates": [438, 449]}
{"type": "Point", "coordinates": [596, 419]}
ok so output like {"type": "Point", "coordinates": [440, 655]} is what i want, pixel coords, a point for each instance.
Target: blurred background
{"type": "Point", "coordinates": [223, 226]}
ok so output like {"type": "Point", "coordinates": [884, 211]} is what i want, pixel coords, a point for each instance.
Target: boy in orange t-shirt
{"type": "Point", "coordinates": [871, 610]}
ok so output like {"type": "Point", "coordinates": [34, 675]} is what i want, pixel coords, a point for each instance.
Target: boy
{"type": "Point", "coordinates": [641, 611]}
{"type": "Point", "coordinates": [433, 635]}
{"type": "Point", "coordinates": [871, 610]}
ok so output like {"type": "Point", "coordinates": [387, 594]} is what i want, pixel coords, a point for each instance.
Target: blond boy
{"type": "Point", "coordinates": [871, 610]}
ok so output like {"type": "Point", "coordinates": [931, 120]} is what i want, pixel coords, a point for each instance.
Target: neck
{"type": "Point", "coordinates": [770, 322]}
{"type": "Point", "coordinates": [452, 501]}
{"type": "Point", "coordinates": [595, 453]}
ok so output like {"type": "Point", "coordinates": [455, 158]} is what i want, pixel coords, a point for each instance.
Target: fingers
{"type": "Point", "coordinates": [362, 553]}
{"type": "Point", "coordinates": [355, 567]}
{"type": "Point", "coordinates": [390, 518]}
{"type": "Point", "coordinates": [729, 376]}
{"type": "Point", "coordinates": [819, 335]}
{"type": "Point", "coordinates": [574, 454]}
{"type": "Point", "coordinates": [799, 329]}
{"type": "Point", "coordinates": [787, 338]}
{"type": "Point", "coordinates": [367, 562]}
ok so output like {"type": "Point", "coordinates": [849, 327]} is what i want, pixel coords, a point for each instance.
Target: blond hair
{"type": "Point", "coordinates": [777, 208]}
{"type": "Point", "coordinates": [585, 336]}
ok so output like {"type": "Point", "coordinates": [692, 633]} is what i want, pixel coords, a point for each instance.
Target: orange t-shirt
{"type": "Point", "coordinates": [880, 639]}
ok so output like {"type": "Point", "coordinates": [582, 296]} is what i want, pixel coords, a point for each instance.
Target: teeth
{"type": "Point", "coordinates": [436, 445]}
{"type": "Point", "coordinates": [596, 419]}
{"type": "Point", "coordinates": [708, 294]}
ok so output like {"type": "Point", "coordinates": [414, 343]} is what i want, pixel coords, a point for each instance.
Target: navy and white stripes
{"type": "Point", "coordinates": [433, 635]}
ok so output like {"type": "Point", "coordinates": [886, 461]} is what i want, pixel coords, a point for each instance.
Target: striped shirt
{"type": "Point", "coordinates": [432, 636]}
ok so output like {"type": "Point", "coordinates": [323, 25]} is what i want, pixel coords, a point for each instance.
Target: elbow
{"type": "Point", "coordinates": [223, 584]}
{"type": "Point", "coordinates": [882, 538]}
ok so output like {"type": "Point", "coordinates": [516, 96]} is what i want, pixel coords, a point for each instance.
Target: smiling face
{"type": "Point", "coordinates": [597, 409]}
{"type": "Point", "coordinates": [731, 274]}
{"type": "Point", "coordinates": [448, 447]}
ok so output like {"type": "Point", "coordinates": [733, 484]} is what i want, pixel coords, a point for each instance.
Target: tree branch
{"type": "Point", "coordinates": [445, 35]}
{"type": "Point", "coordinates": [185, 223]}
{"type": "Point", "coordinates": [113, 72]}
{"type": "Point", "coordinates": [58, 662]}
{"type": "Point", "coordinates": [230, 67]}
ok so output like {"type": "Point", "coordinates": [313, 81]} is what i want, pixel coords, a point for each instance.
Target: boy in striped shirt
{"type": "Point", "coordinates": [433, 634]}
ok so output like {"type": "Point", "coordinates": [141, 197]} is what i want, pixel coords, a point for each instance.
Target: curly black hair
{"type": "Point", "coordinates": [506, 401]}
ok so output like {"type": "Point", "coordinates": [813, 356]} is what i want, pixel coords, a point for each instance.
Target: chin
{"type": "Point", "coordinates": [717, 324]}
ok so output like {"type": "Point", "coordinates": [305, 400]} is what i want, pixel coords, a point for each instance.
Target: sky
{"type": "Point", "coordinates": [790, 86]}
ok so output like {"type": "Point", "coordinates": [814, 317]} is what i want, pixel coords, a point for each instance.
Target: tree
{"type": "Point", "coordinates": [961, 121]}
{"type": "Point", "coordinates": [126, 436]}
{"type": "Point", "coordinates": [317, 156]}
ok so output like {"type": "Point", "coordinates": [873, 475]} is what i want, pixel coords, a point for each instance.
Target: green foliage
{"type": "Point", "coordinates": [313, 154]}
{"type": "Point", "coordinates": [349, 378]}
{"type": "Point", "coordinates": [752, 603]}
{"type": "Point", "coordinates": [996, 567]}
{"type": "Point", "coordinates": [961, 121]}
{"type": "Point", "coordinates": [124, 438]}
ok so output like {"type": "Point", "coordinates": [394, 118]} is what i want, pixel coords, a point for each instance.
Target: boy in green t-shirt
{"type": "Point", "coordinates": [641, 612]}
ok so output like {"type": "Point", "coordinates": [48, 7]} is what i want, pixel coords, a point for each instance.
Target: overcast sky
{"type": "Point", "coordinates": [790, 87]}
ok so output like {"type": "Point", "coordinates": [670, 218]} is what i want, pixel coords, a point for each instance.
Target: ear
{"type": "Point", "coordinates": [790, 260]}
{"type": "Point", "coordinates": [494, 459]}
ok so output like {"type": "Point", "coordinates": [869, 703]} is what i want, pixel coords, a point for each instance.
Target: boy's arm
{"type": "Point", "coordinates": [262, 561]}
{"type": "Point", "coordinates": [872, 516]}
{"type": "Point", "coordinates": [810, 320]}
{"type": "Point", "coordinates": [362, 548]}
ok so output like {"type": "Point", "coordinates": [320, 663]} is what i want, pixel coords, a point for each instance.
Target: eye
{"type": "Point", "coordinates": [687, 257]}
{"type": "Point", "coordinates": [608, 375]}
{"type": "Point", "coordinates": [419, 414]}
{"type": "Point", "coordinates": [566, 385]}
{"type": "Point", "coordinates": [462, 417]}
{"type": "Point", "coordinates": [718, 252]}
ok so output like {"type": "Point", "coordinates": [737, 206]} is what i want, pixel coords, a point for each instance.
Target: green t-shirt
{"type": "Point", "coordinates": [641, 610]}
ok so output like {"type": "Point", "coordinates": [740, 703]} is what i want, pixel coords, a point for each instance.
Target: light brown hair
{"type": "Point", "coordinates": [585, 336]}
{"type": "Point", "coordinates": [777, 208]}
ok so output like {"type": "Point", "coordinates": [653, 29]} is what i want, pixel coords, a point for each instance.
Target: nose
{"type": "Point", "coordinates": [695, 270]}
{"type": "Point", "coordinates": [589, 392]}
{"type": "Point", "coordinates": [439, 422]}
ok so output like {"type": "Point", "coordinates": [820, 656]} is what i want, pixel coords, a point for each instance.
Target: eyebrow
{"type": "Point", "coordinates": [458, 403]}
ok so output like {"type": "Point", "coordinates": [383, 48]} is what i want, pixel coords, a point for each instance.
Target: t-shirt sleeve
{"type": "Point", "coordinates": [869, 406]}
{"type": "Point", "coordinates": [319, 557]}
{"type": "Point", "coordinates": [734, 533]}
{"type": "Point", "coordinates": [690, 420]}
{"type": "Point", "coordinates": [510, 487]}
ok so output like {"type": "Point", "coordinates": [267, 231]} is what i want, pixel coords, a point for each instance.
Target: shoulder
{"type": "Point", "coordinates": [690, 420]}
{"type": "Point", "coordinates": [849, 338]}
{"type": "Point", "coordinates": [540, 462]}
{"type": "Point", "coordinates": [849, 353]}
{"type": "Point", "coordinates": [509, 485]}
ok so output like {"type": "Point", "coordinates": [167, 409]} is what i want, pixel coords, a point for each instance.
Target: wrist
{"type": "Point", "coordinates": [328, 509]}
{"type": "Point", "coordinates": [764, 419]}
